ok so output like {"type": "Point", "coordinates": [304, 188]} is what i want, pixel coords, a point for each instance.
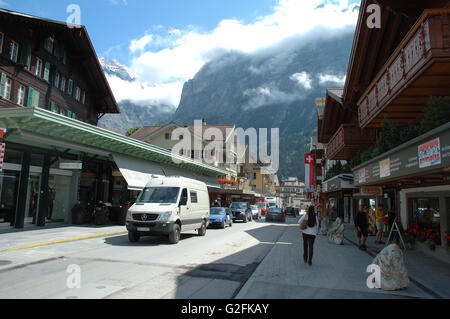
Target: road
{"type": "Point", "coordinates": [215, 266]}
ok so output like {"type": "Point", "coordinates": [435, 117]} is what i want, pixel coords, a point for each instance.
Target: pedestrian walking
{"type": "Point", "coordinates": [362, 226]}
{"type": "Point", "coordinates": [309, 227]}
{"type": "Point", "coordinates": [380, 216]}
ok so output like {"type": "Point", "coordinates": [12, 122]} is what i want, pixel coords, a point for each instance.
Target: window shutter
{"type": "Point", "coordinates": [25, 55]}
{"type": "Point", "coordinates": [30, 97]}
{"type": "Point", "coordinates": [69, 114]}
{"type": "Point", "coordinates": [46, 44]}
{"type": "Point", "coordinates": [47, 71]}
{"type": "Point", "coordinates": [70, 87]}
{"type": "Point", "coordinates": [65, 57]}
{"type": "Point", "coordinates": [52, 106]}
{"type": "Point", "coordinates": [36, 98]}
{"type": "Point", "coordinates": [2, 86]}
{"type": "Point", "coordinates": [88, 100]}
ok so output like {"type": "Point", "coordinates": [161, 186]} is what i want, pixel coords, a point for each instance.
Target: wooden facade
{"type": "Point", "coordinates": [48, 65]}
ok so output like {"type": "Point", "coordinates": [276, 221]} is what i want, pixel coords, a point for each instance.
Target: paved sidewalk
{"type": "Point", "coordinates": [338, 272]}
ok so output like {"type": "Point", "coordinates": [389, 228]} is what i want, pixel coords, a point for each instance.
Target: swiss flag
{"type": "Point", "coordinates": [310, 160]}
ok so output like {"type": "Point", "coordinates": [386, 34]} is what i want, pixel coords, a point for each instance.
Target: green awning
{"type": "Point", "coordinates": [49, 125]}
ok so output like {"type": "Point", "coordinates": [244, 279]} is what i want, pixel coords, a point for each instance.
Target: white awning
{"type": "Point", "coordinates": [137, 172]}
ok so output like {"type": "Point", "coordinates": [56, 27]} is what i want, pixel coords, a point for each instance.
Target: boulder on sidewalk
{"type": "Point", "coordinates": [336, 233]}
{"type": "Point", "coordinates": [324, 226]}
{"type": "Point", "coordinates": [394, 275]}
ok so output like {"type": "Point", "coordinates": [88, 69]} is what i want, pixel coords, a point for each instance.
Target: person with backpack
{"type": "Point", "coordinates": [309, 227]}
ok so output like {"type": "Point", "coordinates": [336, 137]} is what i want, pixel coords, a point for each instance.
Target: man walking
{"type": "Point", "coordinates": [362, 226]}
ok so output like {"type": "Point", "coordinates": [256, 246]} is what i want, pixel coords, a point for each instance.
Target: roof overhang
{"type": "Point", "coordinates": [61, 129]}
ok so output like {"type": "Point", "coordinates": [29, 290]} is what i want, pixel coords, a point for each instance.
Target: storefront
{"type": "Point", "coordinates": [415, 179]}
{"type": "Point", "coordinates": [53, 163]}
{"type": "Point", "coordinates": [337, 197]}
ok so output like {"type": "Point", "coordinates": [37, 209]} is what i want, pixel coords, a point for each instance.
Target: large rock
{"type": "Point", "coordinates": [336, 234]}
{"type": "Point", "coordinates": [324, 226]}
{"type": "Point", "coordinates": [394, 275]}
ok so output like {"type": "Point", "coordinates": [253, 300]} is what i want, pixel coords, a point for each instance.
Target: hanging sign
{"type": "Point", "coordinates": [2, 155]}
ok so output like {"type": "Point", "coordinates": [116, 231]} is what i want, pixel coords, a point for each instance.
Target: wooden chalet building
{"type": "Point", "coordinates": [393, 74]}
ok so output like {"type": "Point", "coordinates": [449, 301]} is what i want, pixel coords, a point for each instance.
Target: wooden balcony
{"type": "Point", "coordinates": [418, 69]}
{"type": "Point", "coordinates": [348, 140]}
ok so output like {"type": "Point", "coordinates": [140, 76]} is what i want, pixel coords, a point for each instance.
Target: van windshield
{"type": "Point", "coordinates": [159, 195]}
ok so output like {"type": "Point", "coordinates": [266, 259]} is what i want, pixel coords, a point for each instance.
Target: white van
{"type": "Point", "coordinates": [169, 206]}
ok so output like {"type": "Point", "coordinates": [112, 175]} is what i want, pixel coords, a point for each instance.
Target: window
{"type": "Point", "coordinates": [56, 79]}
{"type": "Point", "coordinates": [14, 51]}
{"type": "Point", "coordinates": [194, 198]}
{"type": "Point", "coordinates": [83, 97]}
{"type": "Point", "coordinates": [7, 89]}
{"type": "Point", "coordinates": [38, 67]}
{"type": "Point", "coordinates": [167, 136]}
{"type": "Point", "coordinates": [78, 94]}
{"type": "Point", "coordinates": [21, 95]}
{"type": "Point", "coordinates": [1, 42]}
{"type": "Point", "coordinates": [47, 72]}
{"type": "Point", "coordinates": [48, 44]}
{"type": "Point", "coordinates": [63, 84]}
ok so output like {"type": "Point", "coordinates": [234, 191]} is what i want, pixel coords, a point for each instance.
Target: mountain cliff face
{"type": "Point", "coordinates": [271, 89]}
{"type": "Point", "coordinates": [132, 114]}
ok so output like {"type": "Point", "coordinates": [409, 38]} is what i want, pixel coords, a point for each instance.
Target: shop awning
{"type": "Point", "coordinates": [85, 137]}
{"type": "Point", "coordinates": [137, 172]}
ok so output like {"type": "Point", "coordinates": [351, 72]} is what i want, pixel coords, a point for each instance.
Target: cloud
{"type": "Point", "coordinates": [303, 79]}
{"type": "Point", "coordinates": [268, 94]}
{"type": "Point", "coordinates": [165, 58]}
{"type": "Point", "coordinates": [331, 78]}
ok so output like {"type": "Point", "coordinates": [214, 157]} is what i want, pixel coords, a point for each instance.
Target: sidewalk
{"type": "Point", "coordinates": [338, 272]}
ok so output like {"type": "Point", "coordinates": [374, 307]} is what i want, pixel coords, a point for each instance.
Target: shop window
{"type": "Point", "coordinates": [426, 213]}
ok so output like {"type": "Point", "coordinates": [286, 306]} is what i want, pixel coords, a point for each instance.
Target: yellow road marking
{"type": "Point", "coordinates": [61, 241]}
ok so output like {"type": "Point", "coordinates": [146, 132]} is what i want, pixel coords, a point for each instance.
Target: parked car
{"type": "Point", "coordinates": [169, 206]}
{"type": "Point", "coordinates": [241, 211]}
{"type": "Point", "coordinates": [291, 211]}
{"type": "Point", "coordinates": [276, 214]}
{"type": "Point", "coordinates": [220, 216]}
{"type": "Point", "coordinates": [256, 212]}
{"type": "Point", "coordinates": [264, 207]}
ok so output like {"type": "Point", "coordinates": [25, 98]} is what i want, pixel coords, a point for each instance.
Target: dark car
{"type": "Point", "coordinates": [291, 211]}
{"type": "Point", "coordinates": [276, 214]}
{"type": "Point", "coordinates": [220, 216]}
{"type": "Point", "coordinates": [241, 211]}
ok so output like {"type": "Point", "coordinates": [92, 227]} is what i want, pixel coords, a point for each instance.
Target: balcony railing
{"type": "Point", "coordinates": [348, 139]}
{"type": "Point", "coordinates": [427, 40]}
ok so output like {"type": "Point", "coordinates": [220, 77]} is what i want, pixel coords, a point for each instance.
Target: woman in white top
{"type": "Point", "coordinates": [309, 234]}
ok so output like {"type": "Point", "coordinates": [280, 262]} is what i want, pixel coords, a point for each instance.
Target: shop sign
{"type": "Point", "coordinates": [71, 165]}
{"type": "Point", "coordinates": [2, 132]}
{"type": "Point", "coordinates": [385, 168]}
{"type": "Point", "coordinates": [371, 191]}
{"type": "Point", "coordinates": [430, 153]}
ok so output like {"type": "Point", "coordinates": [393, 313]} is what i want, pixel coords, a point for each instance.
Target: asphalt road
{"type": "Point", "coordinates": [215, 266]}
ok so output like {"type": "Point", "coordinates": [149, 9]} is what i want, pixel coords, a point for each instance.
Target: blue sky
{"type": "Point", "coordinates": [136, 34]}
{"type": "Point", "coordinates": [111, 24]}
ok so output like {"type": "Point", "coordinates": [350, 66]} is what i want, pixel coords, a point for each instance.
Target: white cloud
{"type": "Point", "coordinates": [175, 56]}
{"type": "Point", "coordinates": [303, 79]}
{"type": "Point", "coordinates": [331, 78]}
{"type": "Point", "coordinates": [267, 95]}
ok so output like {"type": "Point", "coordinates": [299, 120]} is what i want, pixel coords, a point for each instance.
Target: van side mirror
{"type": "Point", "coordinates": [183, 201]}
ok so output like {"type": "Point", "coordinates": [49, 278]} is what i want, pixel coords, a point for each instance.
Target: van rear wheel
{"type": "Point", "coordinates": [174, 236]}
{"type": "Point", "coordinates": [202, 230]}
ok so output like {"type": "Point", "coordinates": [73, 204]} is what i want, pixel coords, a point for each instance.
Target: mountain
{"type": "Point", "coordinates": [132, 114]}
{"type": "Point", "coordinates": [274, 88]}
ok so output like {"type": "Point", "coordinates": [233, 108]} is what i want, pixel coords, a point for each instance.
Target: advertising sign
{"type": "Point", "coordinates": [385, 168]}
{"type": "Point", "coordinates": [362, 175]}
{"type": "Point", "coordinates": [430, 153]}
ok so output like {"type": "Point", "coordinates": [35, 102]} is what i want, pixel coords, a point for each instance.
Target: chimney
{"type": "Point", "coordinates": [204, 122]}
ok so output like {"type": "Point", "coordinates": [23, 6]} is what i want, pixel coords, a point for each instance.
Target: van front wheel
{"type": "Point", "coordinates": [174, 236]}
{"type": "Point", "coordinates": [202, 230]}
